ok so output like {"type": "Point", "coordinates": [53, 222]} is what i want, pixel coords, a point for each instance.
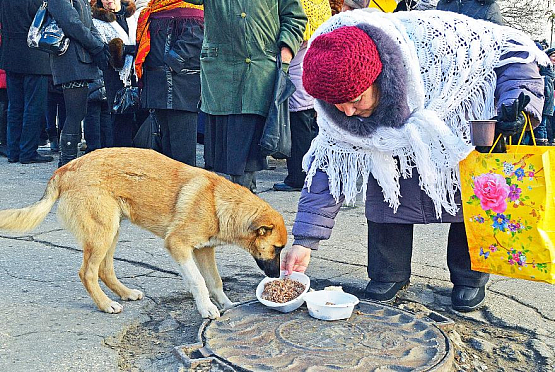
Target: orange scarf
{"type": "Point", "coordinates": [143, 33]}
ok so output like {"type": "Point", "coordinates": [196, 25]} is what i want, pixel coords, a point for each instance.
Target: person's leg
{"type": "Point", "coordinates": [16, 105]}
{"type": "Point", "coordinates": [389, 259]}
{"type": "Point", "coordinates": [51, 117]}
{"type": "Point", "coordinates": [301, 137]}
{"type": "Point", "coordinates": [106, 134]}
{"type": "Point", "coordinates": [3, 122]}
{"type": "Point", "coordinates": [76, 109]}
{"type": "Point", "coordinates": [183, 136]}
{"type": "Point", "coordinates": [34, 118]}
{"type": "Point", "coordinates": [161, 116]}
{"type": "Point", "coordinates": [540, 132]}
{"type": "Point", "coordinates": [124, 130]}
{"type": "Point", "coordinates": [91, 126]}
{"type": "Point", "coordinates": [551, 129]}
{"type": "Point", "coordinates": [469, 286]}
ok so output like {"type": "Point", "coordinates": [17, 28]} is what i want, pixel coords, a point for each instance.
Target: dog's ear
{"type": "Point", "coordinates": [262, 229]}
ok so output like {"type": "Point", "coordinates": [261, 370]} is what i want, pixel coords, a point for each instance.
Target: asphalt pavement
{"type": "Point", "coordinates": [49, 323]}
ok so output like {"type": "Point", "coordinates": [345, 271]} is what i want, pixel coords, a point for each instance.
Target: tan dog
{"type": "Point", "coordinates": [192, 209]}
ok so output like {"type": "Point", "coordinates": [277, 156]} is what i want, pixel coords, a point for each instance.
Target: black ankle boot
{"type": "Point", "coordinates": [384, 291]}
{"type": "Point", "coordinates": [466, 299]}
{"type": "Point", "coordinates": [68, 148]}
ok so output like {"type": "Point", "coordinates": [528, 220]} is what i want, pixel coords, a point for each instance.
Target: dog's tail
{"type": "Point", "coordinates": [26, 219]}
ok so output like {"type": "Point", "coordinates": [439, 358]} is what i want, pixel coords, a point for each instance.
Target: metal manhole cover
{"type": "Point", "coordinates": [376, 338]}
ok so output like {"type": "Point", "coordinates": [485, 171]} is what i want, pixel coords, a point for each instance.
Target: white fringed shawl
{"type": "Point", "coordinates": [450, 61]}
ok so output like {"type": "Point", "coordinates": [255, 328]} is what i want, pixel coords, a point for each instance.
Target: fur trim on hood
{"type": "Point", "coordinates": [393, 109]}
{"type": "Point", "coordinates": [98, 12]}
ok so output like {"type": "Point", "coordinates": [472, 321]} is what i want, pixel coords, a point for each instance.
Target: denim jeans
{"type": "Point", "coordinates": [97, 126]}
{"type": "Point", "coordinates": [26, 113]}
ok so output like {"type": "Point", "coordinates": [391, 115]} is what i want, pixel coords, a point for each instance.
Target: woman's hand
{"type": "Point", "coordinates": [296, 259]}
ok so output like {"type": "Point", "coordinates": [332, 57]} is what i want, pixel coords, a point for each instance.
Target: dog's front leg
{"type": "Point", "coordinates": [197, 286]}
{"type": "Point", "coordinates": [206, 261]}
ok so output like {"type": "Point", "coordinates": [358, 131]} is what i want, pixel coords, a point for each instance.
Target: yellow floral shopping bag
{"type": "Point", "coordinates": [508, 205]}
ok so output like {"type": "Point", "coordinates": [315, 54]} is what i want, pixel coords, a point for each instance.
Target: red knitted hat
{"type": "Point", "coordinates": [340, 65]}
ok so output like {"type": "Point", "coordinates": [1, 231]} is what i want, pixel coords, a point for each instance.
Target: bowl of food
{"type": "Point", "coordinates": [285, 293]}
{"type": "Point", "coordinates": [330, 305]}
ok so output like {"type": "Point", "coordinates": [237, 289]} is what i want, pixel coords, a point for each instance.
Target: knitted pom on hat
{"type": "Point", "coordinates": [340, 65]}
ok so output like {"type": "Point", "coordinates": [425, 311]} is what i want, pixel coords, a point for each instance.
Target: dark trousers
{"type": "Point", "coordinates": [550, 126]}
{"type": "Point", "coordinates": [3, 116]}
{"type": "Point", "coordinates": [390, 252]}
{"type": "Point", "coordinates": [231, 143]}
{"type": "Point", "coordinates": [125, 127]}
{"type": "Point", "coordinates": [303, 131]}
{"type": "Point", "coordinates": [178, 130]}
{"type": "Point", "coordinates": [26, 113]}
{"type": "Point", "coordinates": [97, 126]}
{"type": "Point", "coordinates": [55, 115]}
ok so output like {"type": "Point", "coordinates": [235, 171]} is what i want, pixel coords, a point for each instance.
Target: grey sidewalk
{"type": "Point", "coordinates": [49, 323]}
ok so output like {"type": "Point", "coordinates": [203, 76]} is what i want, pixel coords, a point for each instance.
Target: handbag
{"type": "Point", "coordinates": [97, 91]}
{"type": "Point", "coordinates": [276, 136]}
{"type": "Point", "coordinates": [508, 202]}
{"type": "Point", "coordinates": [148, 136]}
{"type": "Point", "coordinates": [45, 34]}
{"type": "Point", "coordinates": [126, 100]}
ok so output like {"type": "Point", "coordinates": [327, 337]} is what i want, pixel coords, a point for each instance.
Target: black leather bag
{"type": "Point", "coordinates": [276, 137]}
{"type": "Point", "coordinates": [97, 91]}
{"type": "Point", "coordinates": [126, 100]}
{"type": "Point", "coordinates": [45, 34]}
{"type": "Point", "coordinates": [148, 136]}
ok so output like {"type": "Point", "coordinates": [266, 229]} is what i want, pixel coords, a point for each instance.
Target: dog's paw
{"type": "Point", "coordinates": [230, 305]}
{"type": "Point", "coordinates": [133, 295]}
{"type": "Point", "coordinates": [209, 311]}
{"type": "Point", "coordinates": [112, 308]}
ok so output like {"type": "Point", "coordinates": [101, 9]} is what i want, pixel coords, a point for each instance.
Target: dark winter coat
{"type": "Point", "coordinates": [16, 17]}
{"type": "Point", "coordinates": [487, 10]}
{"type": "Point", "coordinates": [76, 22]}
{"type": "Point", "coordinates": [317, 208]}
{"type": "Point", "coordinates": [171, 70]}
{"type": "Point", "coordinates": [238, 57]}
{"type": "Point", "coordinates": [103, 19]}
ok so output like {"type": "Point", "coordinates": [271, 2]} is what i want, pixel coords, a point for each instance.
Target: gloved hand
{"type": "Point", "coordinates": [101, 58]}
{"type": "Point", "coordinates": [511, 122]}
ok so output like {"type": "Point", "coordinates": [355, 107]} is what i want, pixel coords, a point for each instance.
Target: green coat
{"type": "Point", "coordinates": [238, 57]}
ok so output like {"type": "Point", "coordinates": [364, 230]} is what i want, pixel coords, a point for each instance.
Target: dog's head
{"type": "Point", "coordinates": [268, 236]}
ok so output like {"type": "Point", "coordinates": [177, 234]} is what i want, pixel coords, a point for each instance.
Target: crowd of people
{"type": "Point", "coordinates": [358, 99]}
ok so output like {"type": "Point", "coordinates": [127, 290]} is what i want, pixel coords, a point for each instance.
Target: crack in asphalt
{"type": "Point", "coordinates": [76, 250]}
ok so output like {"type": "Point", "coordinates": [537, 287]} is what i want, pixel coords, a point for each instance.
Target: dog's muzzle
{"type": "Point", "coordinates": [270, 267]}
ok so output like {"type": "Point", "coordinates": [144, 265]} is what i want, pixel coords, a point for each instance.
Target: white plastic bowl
{"type": "Point", "coordinates": [342, 308]}
{"type": "Point", "coordinates": [289, 306]}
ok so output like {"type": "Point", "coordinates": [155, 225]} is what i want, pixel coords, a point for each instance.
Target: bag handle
{"type": "Point", "coordinates": [527, 122]}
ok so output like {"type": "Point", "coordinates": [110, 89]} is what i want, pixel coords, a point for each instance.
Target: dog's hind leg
{"type": "Point", "coordinates": [206, 261]}
{"type": "Point", "coordinates": [182, 253]}
{"type": "Point", "coordinates": [93, 217]}
{"type": "Point", "coordinates": [108, 276]}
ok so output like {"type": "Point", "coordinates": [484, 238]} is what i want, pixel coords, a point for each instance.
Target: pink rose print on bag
{"type": "Point", "coordinates": [492, 190]}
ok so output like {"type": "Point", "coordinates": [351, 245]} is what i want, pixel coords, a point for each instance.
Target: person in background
{"type": "Point", "coordinates": [3, 115]}
{"type": "Point", "coordinates": [301, 104]}
{"type": "Point", "coordinates": [408, 5]}
{"type": "Point", "coordinates": [354, 4]}
{"type": "Point", "coordinates": [97, 126]}
{"type": "Point", "coordinates": [168, 62]}
{"type": "Point", "coordinates": [238, 66]}
{"type": "Point", "coordinates": [74, 69]}
{"type": "Point", "coordinates": [400, 127]}
{"type": "Point", "coordinates": [487, 10]}
{"type": "Point", "coordinates": [116, 21]}
{"type": "Point", "coordinates": [27, 73]}
{"type": "Point", "coordinates": [55, 114]}
{"type": "Point", "coordinates": [550, 124]}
